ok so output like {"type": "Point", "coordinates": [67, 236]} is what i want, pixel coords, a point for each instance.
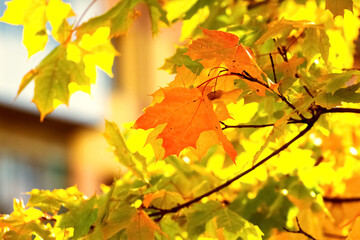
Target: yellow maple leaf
{"type": "Point", "coordinates": [34, 15]}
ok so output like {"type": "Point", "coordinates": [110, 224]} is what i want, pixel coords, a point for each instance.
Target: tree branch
{"type": "Point", "coordinates": [342, 110]}
{"type": "Point", "coordinates": [301, 231]}
{"type": "Point", "coordinates": [163, 212]}
{"type": "Point", "coordinates": [246, 125]}
{"type": "Point", "coordinates": [341, 200]}
{"type": "Point", "coordinates": [291, 121]}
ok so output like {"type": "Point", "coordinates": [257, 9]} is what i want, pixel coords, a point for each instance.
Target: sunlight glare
{"type": "Point", "coordinates": [353, 151]}
{"type": "Point", "coordinates": [317, 141]}
{"type": "Point", "coordinates": [284, 192]}
{"type": "Point", "coordinates": [186, 159]}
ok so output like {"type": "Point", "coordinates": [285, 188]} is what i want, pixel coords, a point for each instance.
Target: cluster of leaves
{"type": "Point", "coordinates": [275, 83]}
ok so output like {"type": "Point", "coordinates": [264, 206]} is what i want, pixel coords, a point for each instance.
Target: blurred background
{"type": "Point", "coordinates": [68, 148]}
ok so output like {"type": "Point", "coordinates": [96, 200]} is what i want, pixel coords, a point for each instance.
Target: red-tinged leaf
{"type": "Point", "coordinates": [187, 113]}
{"type": "Point", "coordinates": [214, 48]}
{"type": "Point", "coordinates": [141, 227]}
{"type": "Point", "coordinates": [221, 48]}
{"type": "Point", "coordinates": [337, 7]}
{"type": "Point", "coordinates": [244, 61]}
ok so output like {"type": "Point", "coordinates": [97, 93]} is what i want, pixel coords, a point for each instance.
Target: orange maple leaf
{"type": "Point", "coordinates": [221, 48]}
{"type": "Point", "coordinates": [215, 48]}
{"type": "Point", "coordinates": [187, 113]}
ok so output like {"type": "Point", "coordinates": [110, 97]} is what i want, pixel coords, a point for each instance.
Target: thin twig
{"type": "Point", "coordinates": [225, 126]}
{"type": "Point", "coordinates": [273, 67]}
{"type": "Point", "coordinates": [248, 77]}
{"type": "Point", "coordinates": [282, 50]}
{"type": "Point", "coordinates": [83, 14]}
{"type": "Point", "coordinates": [308, 92]}
{"type": "Point", "coordinates": [245, 75]}
{"type": "Point", "coordinates": [163, 212]}
{"type": "Point", "coordinates": [300, 231]}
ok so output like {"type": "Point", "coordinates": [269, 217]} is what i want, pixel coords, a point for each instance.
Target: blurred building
{"type": "Point", "coordinates": [68, 148]}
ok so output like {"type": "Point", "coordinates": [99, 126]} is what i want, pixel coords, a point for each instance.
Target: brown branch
{"type": "Point", "coordinates": [342, 110]}
{"type": "Point", "coordinates": [341, 200]}
{"type": "Point", "coordinates": [246, 125]}
{"type": "Point", "coordinates": [163, 212]}
{"type": "Point", "coordinates": [248, 77]}
{"type": "Point", "coordinates": [225, 126]}
{"type": "Point", "coordinates": [300, 231]}
{"type": "Point", "coordinates": [245, 75]}
{"type": "Point", "coordinates": [273, 67]}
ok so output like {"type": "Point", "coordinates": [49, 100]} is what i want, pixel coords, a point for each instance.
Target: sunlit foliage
{"type": "Point", "coordinates": [257, 137]}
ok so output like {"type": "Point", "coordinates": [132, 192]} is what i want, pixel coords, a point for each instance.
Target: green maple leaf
{"type": "Point", "coordinates": [52, 78]}
{"type": "Point", "coordinates": [121, 17]}
{"type": "Point", "coordinates": [234, 223]}
{"type": "Point", "coordinates": [179, 59]}
{"type": "Point", "coordinates": [81, 215]}
{"type": "Point", "coordinates": [134, 162]}
{"type": "Point", "coordinates": [157, 13]}
{"type": "Point", "coordinates": [51, 201]}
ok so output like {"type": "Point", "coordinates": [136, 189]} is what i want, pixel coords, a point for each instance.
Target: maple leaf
{"type": "Point", "coordinates": [94, 50]}
{"type": "Point", "coordinates": [187, 113]}
{"type": "Point", "coordinates": [118, 19]}
{"type": "Point", "coordinates": [166, 199]}
{"type": "Point", "coordinates": [184, 77]}
{"type": "Point", "coordinates": [215, 48]}
{"type": "Point", "coordinates": [141, 227]}
{"type": "Point", "coordinates": [69, 68]}
{"type": "Point", "coordinates": [282, 26]}
{"type": "Point", "coordinates": [121, 16]}
{"type": "Point", "coordinates": [218, 48]}
{"type": "Point", "coordinates": [52, 78]}
{"type": "Point", "coordinates": [81, 215]}
{"type": "Point", "coordinates": [34, 15]}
